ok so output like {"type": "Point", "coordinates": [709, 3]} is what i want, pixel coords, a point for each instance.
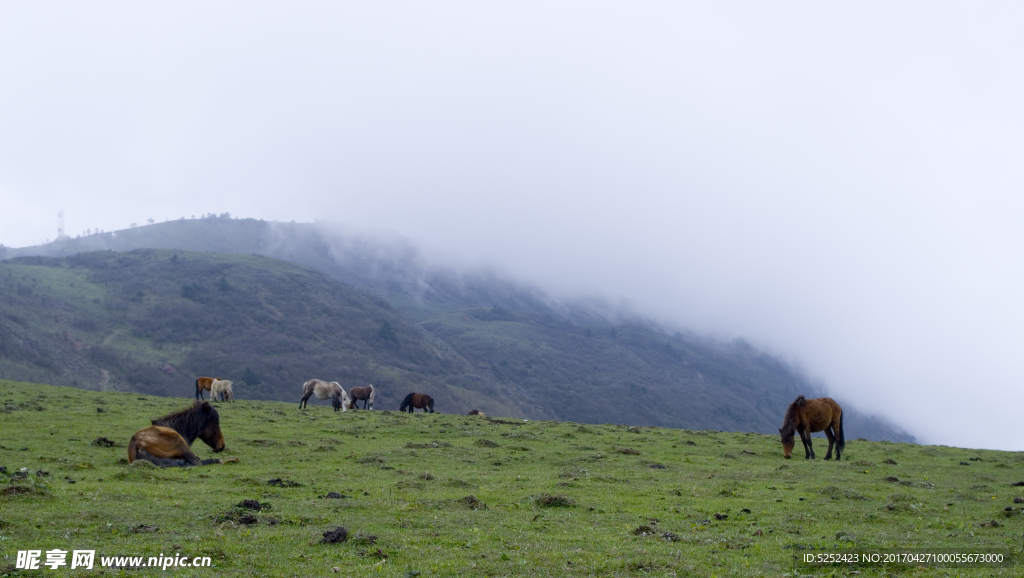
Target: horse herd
{"type": "Point", "coordinates": [167, 442]}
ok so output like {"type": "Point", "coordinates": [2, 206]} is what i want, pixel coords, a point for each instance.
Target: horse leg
{"type": "Point", "coordinates": [171, 462]}
{"type": "Point", "coordinates": [302, 403]}
{"type": "Point", "coordinates": [161, 462]}
{"type": "Point", "coordinates": [831, 439]}
{"type": "Point", "coordinates": [805, 437]}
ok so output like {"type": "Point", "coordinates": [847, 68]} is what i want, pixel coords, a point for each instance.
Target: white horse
{"type": "Point", "coordinates": [222, 387]}
{"type": "Point", "coordinates": [325, 390]}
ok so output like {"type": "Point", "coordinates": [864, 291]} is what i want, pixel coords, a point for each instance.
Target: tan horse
{"type": "Point", "coordinates": [161, 443]}
{"type": "Point", "coordinates": [167, 441]}
{"type": "Point", "coordinates": [476, 412]}
{"type": "Point", "coordinates": [204, 384]}
{"type": "Point", "coordinates": [811, 415]}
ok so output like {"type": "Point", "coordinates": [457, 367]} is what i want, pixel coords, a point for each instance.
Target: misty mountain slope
{"type": "Point", "coordinates": [481, 320]}
{"type": "Point", "coordinates": [629, 374]}
{"type": "Point", "coordinates": [389, 268]}
{"type": "Point", "coordinates": [151, 321]}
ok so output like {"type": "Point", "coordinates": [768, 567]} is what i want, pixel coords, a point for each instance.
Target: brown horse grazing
{"type": "Point", "coordinates": [811, 415]}
{"type": "Point", "coordinates": [366, 394]}
{"type": "Point", "coordinates": [156, 444]}
{"type": "Point", "coordinates": [204, 383]}
{"type": "Point", "coordinates": [164, 447]}
{"type": "Point", "coordinates": [418, 401]}
{"type": "Point", "coordinates": [476, 412]}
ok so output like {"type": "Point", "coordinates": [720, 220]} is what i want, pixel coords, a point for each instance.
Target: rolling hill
{"type": "Point", "coordinates": [151, 321]}
{"type": "Point", "coordinates": [158, 318]}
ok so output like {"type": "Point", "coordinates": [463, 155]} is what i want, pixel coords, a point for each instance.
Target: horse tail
{"type": "Point", "coordinates": [197, 388]}
{"type": "Point", "coordinates": [406, 402]}
{"type": "Point", "coordinates": [841, 441]}
{"type": "Point", "coordinates": [133, 449]}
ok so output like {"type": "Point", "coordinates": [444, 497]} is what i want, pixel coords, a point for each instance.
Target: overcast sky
{"type": "Point", "coordinates": [838, 183]}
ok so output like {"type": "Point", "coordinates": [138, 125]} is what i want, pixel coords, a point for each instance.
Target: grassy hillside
{"type": "Point", "coordinates": [151, 321]}
{"type": "Point", "coordinates": [499, 346]}
{"type": "Point", "coordinates": [629, 372]}
{"type": "Point", "coordinates": [443, 494]}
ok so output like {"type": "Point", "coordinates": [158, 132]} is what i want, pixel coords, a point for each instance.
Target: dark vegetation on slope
{"type": "Point", "coordinates": [387, 268]}
{"type": "Point", "coordinates": [472, 340]}
{"type": "Point", "coordinates": [151, 321]}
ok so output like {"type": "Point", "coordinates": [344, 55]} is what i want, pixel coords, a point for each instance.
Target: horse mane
{"type": "Point", "coordinates": [792, 412]}
{"type": "Point", "coordinates": [190, 421]}
{"type": "Point", "coordinates": [407, 401]}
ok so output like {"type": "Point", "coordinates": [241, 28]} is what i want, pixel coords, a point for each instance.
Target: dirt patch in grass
{"type": "Point", "coordinates": [836, 493]}
{"type": "Point", "coordinates": [22, 491]}
{"type": "Point", "coordinates": [253, 505]}
{"type": "Point", "coordinates": [371, 460]}
{"type": "Point", "coordinates": [519, 435]}
{"type": "Point", "coordinates": [555, 501]}
{"type": "Point", "coordinates": [644, 531]}
{"type": "Point", "coordinates": [427, 445]}
{"type": "Point", "coordinates": [335, 536]}
{"type": "Point", "coordinates": [261, 443]}
{"type": "Point", "coordinates": [472, 503]}
{"type": "Point", "coordinates": [239, 514]}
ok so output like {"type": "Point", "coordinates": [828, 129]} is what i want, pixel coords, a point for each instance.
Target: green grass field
{"type": "Point", "coordinates": [441, 495]}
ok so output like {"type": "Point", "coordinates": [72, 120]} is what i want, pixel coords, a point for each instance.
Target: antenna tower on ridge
{"type": "Point", "coordinates": [60, 226]}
